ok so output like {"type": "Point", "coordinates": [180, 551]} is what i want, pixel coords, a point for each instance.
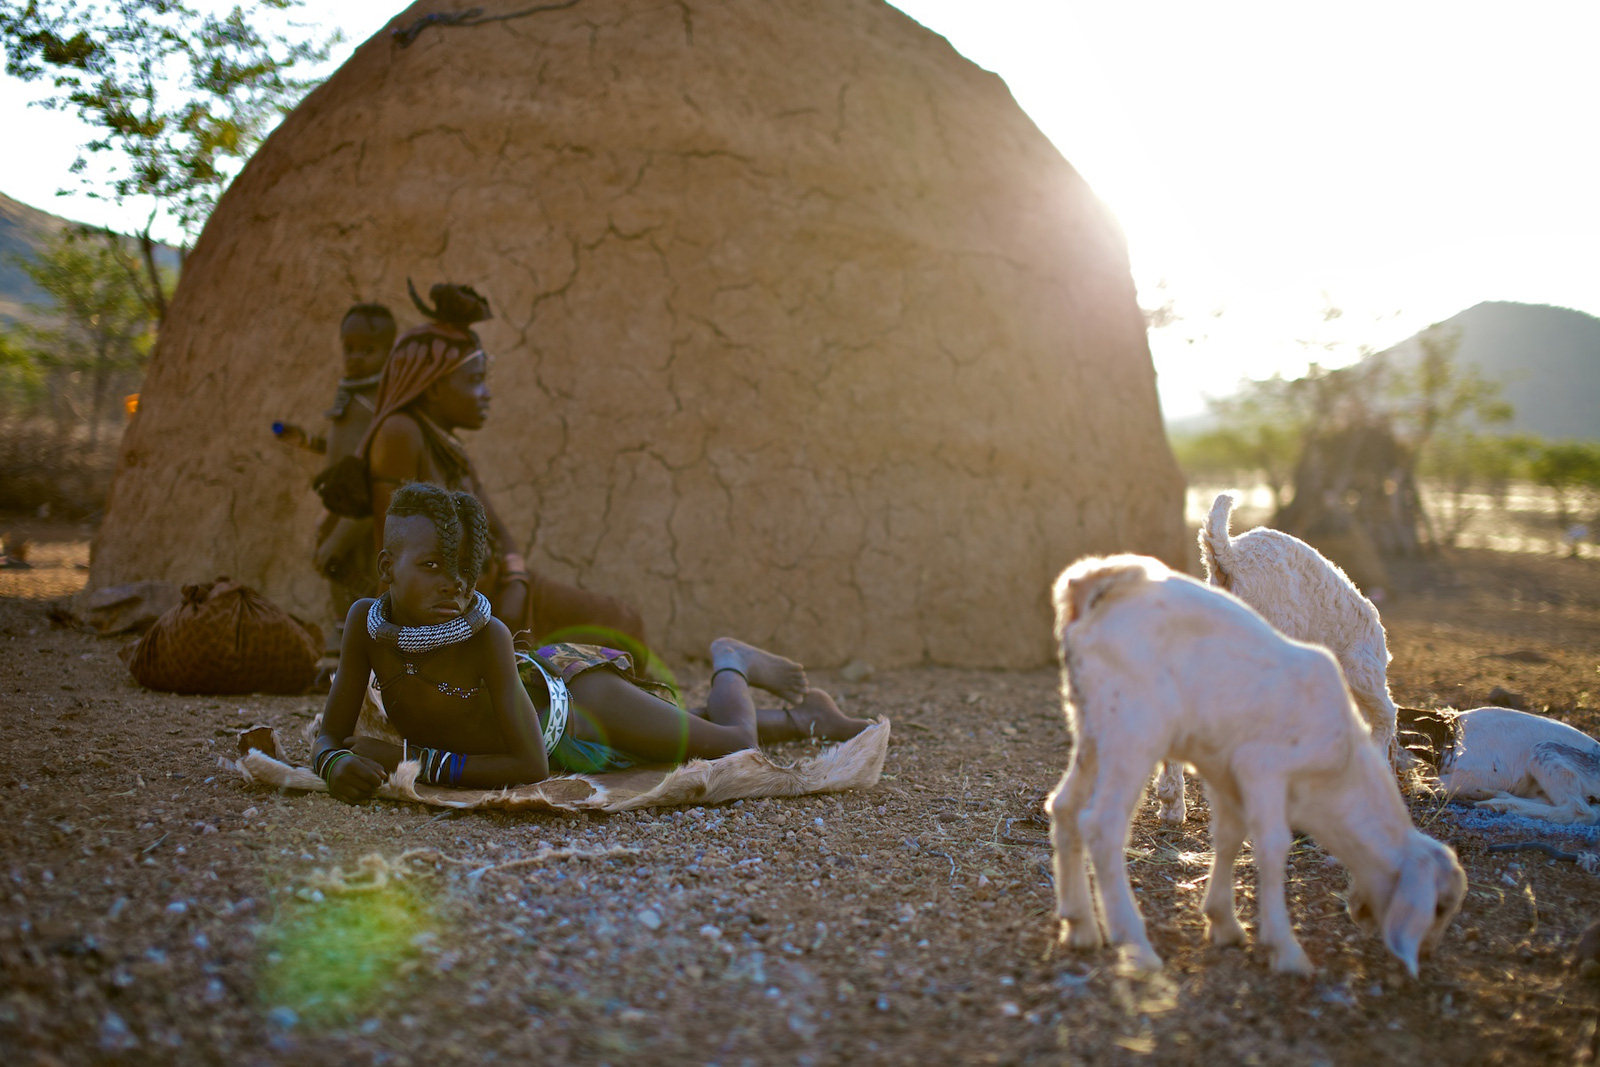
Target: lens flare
{"type": "Point", "coordinates": [329, 959]}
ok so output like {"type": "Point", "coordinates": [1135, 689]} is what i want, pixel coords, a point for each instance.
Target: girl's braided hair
{"type": "Point", "coordinates": [457, 518]}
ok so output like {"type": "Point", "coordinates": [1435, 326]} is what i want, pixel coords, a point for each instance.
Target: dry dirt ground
{"type": "Point", "coordinates": [153, 908]}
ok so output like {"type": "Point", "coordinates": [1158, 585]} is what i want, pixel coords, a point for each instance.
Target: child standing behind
{"type": "Point", "coordinates": [345, 553]}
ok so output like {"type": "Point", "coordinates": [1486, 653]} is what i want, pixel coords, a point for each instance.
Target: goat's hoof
{"type": "Point", "coordinates": [1173, 814]}
{"type": "Point", "coordinates": [1225, 933]}
{"type": "Point", "coordinates": [1080, 934]}
{"type": "Point", "coordinates": [1293, 960]}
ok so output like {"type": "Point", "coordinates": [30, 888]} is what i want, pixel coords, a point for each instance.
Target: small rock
{"type": "Point", "coordinates": [710, 931]}
{"type": "Point", "coordinates": [115, 1035]}
{"type": "Point", "coordinates": [249, 813]}
{"type": "Point", "coordinates": [1009, 1009]}
{"type": "Point", "coordinates": [177, 907]}
{"type": "Point", "coordinates": [283, 1016]}
{"type": "Point", "coordinates": [1501, 697]}
{"type": "Point", "coordinates": [856, 671]}
{"type": "Point", "coordinates": [1586, 954]}
{"type": "Point", "coordinates": [1341, 997]}
{"type": "Point", "coordinates": [648, 918]}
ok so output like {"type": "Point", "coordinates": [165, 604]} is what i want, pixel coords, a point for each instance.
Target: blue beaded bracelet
{"type": "Point", "coordinates": [436, 766]}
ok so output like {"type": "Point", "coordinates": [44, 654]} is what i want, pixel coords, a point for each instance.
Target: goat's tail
{"type": "Point", "coordinates": [1092, 580]}
{"type": "Point", "coordinates": [1215, 548]}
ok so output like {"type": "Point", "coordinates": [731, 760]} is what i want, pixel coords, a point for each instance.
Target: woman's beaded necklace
{"type": "Point", "coordinates": [427, 639]}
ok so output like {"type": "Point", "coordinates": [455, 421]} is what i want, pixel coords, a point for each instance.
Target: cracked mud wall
{"type": "Point", "coordinates": [803, 331]}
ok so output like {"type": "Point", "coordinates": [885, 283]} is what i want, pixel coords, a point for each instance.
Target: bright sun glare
{"type": "Point", "coordinates": [1270, 163]}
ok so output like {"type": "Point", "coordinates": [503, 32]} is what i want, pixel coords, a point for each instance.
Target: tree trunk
{"type": "Point", "coordinates": [102, 371]}
{"type": "Point", "coordinates": [59, 408]}
{"type": "Point", "coordinates": [158, 303]}
{"type": "Point", "coordinates": [1357, 475]}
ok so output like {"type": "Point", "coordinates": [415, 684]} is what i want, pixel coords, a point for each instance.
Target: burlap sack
{"type": "Point", "coordinates": [226, 638]}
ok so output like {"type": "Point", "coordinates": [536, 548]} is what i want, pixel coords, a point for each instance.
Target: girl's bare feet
{"type": "Point", "coordinates": [765, 670]}
{"type": "Point", "coordinates": [818, 716]}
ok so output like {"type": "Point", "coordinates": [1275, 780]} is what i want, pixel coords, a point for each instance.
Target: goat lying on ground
{"type": "Point", "coordinates": [1156, 665]}
{"type": "Point", "coordinates": [1307, 597]}
{"type": "Point", "coordinates": [1515, 761]}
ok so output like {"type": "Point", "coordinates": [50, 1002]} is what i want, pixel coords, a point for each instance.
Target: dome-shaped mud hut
{"type": "Point", "coordinates": [803, 331]}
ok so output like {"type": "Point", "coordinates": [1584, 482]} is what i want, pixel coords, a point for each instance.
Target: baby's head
{"type": "Point", "coordinates": [435, 542]}
{"type": "Point", "coordinates": [367, 334]}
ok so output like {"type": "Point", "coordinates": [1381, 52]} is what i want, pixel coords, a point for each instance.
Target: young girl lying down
{"type": "Point", "coordinates": [477, 712]}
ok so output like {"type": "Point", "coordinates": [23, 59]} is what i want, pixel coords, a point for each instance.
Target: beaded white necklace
{"type": "Point", "coordinates": [426, 638]}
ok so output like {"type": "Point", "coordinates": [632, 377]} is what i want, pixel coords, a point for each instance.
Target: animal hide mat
{"type": "Point", "coordinates": [853, 764]}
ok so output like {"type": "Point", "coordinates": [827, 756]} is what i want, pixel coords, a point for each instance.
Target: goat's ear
{"type": "Point", "coordinates": [1081, 593]}
{"type": "Point", "coordinates": [1410, 914]}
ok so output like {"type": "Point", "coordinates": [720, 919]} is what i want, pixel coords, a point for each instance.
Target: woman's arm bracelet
{"type": "Point", "coordinates": [439, 767]}
{"type": "Point", "coordinates": [327, 760]}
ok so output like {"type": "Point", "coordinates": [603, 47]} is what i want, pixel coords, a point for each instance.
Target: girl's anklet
{"type": "Point", "coordinates": [807, 733]}
{"type": "Point", "coordinates": [736, 670]}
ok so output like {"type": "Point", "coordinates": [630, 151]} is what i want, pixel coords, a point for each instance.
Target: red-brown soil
{"type": "Point", "coordinates": [156, 909]}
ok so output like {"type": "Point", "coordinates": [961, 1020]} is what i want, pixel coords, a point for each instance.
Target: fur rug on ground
{"type": "Point", "coordinates": [853, 764]}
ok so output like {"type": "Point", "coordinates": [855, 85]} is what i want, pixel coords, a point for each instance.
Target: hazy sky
{"type": "Point", "coordinates": [1269, 161]}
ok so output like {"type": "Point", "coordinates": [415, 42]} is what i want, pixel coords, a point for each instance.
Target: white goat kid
{"type": "Point", "coordinates": [1526, 764]}
{"type": "Point", "coordinates": [1156, 665]}
{"type": "Point", "coordinates": [1306, 596]}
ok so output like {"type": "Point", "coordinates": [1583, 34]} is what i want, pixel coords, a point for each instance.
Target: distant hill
{"type": "Point", "coordinates": [23, 231]}
{"type": "Point", "coordinates": [1547, 357]}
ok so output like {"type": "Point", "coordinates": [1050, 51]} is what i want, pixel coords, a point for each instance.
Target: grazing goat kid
{"type": "Point", "coordinates": [1302, 593]}
{"type": "Point", "coordinates": [1156, 665]}
{"type": "Point", "coordinates": [1522, 763]}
